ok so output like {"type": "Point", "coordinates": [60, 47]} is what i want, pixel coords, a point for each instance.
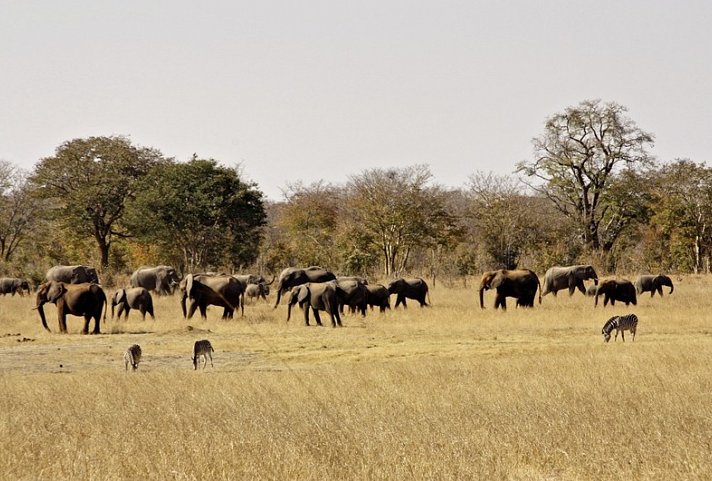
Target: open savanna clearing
{"type": "Point", "coordinates": [447, 392]}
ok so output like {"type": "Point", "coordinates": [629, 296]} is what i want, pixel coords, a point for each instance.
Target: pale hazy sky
{"type": "Point", "coordinates": [308, 90]}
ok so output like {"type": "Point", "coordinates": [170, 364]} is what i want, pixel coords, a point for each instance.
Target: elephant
{"type": "Point", "coordinates": [224, 291]}
{"type": "Point", "coordinates": [85, 299]}
{"type": "Point", "coordinates": [255, 291]}
{"type": "Point", "coordinates": [161, 279]}
{"type": "Point", "coordinates": [12, 285]}
{"type": "Point", "coordinates": [295, 276]}
{"type": "Point", "coordinates": [653, 284]}
{"type": "Point", "coordinates": [571, 277]}
{"type": "Point", "coordinates": [352, 292]}
{"type": "Point", "coordinates": [73, 274]}
{"type": "Point", "coordinates": [379, 296]}
{"type": "Point", "coordinates": [319, 296]}
{"type": "Point", "coordinates": [132, 298]}
{"type": "Point", "coordinates": [409, 288]}
{"type": "Point", "coordinates": [521, 284]}
{"type": "Point", "coordinates": [616, 290]}
{"type": "Point", "coordinates": [247, 279]}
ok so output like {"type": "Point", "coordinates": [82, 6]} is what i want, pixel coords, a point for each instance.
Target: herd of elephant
{"type": "Point", "coordinates": [75, 290]}
{"type": "Point", "coordinates": [523, 284]}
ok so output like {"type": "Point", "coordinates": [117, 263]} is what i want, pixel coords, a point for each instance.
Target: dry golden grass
{"type": "Point", "coordinates": [450, 392]}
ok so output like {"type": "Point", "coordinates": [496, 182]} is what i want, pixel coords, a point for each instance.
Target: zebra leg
{"type": "Point", "coordinates": [623, 335]}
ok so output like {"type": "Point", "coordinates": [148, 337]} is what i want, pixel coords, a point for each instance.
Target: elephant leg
{"type": "Point", "coordinates": [62, 317]}
{"type": "Point", "coordinates": [87, 318]}
{"type": "Point", "coordinates": [660, 291]}
{"type": "Point", "coordinates": [203, 311]}
{"type": "Point", "coordinates": [405, 304]}
{"type": "Point", "coordinates": [142, 310]}
{"type": "Point", "coordinates": [580, 286]}
{"type": "Point", "coordinates": [337, 317]}
{"type": "Point", "coordinates": [192, 308]}
{"type": "Point", "coordinates": [306, 315]}
{"type": "Point", "coordinates": [317, 317]}
{"type": "Point", "coordinates": [126, 312]}
{"type": "Point", "coordinates": [97, 323]}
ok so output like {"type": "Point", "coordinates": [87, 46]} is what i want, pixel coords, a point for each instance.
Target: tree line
{"type": "Point", "coordinates": [591, 193]}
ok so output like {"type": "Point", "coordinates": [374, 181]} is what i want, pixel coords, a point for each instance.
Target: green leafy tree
{"type": "Point", "coordinates": [580, 152]}
{"type": "Point", "coordinates": [309, 219]}
{"type": "Point", "coordinates": [202, 212]}
{"type": "Point", "coordinates": [87, 183]}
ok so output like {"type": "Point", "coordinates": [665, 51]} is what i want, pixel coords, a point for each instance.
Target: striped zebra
{"type": "Point", "coordinates": [132, 357]}
{"type": "Point", "coordinates": [205, 349]}
{"type": "Point", "coordinates": [628, 322]}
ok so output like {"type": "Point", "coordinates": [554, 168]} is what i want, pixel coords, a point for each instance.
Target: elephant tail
{"type": "Point", "coordinates": [539, 290]}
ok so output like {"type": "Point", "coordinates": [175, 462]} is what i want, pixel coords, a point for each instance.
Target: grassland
{"type": "Point", "coordinates": [449, 392]}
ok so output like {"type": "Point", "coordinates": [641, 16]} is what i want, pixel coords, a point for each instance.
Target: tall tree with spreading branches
{"type": "Point", "coordinates": [87, 183]}
{"type": "Point", "coordinates": [580, 152]}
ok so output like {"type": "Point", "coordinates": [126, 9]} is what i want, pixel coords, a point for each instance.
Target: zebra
{"type": "Point", "coordinates": [205, 349]}
{"type": "Point", "coordinates": [132, 356]}
{"type": "Point", "coordinates": [629, 322]}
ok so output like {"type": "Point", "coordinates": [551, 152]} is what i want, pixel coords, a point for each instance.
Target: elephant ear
{"type": "Point", "coordinates": [188, 284]}
{"type": "Point", "coordinates": [55, 292]}
{"type": "Point", "coordinates": [496, 281]}
{"type": "Point", "coordinates": [303, 294]}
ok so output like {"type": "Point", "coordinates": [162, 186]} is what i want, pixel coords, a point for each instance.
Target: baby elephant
{"type": "Point", "coordinates": [255, 291]}
{"type": "Point", "coordinates": [205, 349]}
{"type": "Point", "coordinates": [132, 298]}
{"type": "Point", "coordinates": [132, 357]}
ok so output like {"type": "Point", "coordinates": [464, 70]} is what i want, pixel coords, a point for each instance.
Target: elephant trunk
{"type": "Point", "coordinates": [482, 297]}
{"type": "Point", "coordinates": [289, 311]}
{"type": "Point", "coordinates": [182, 305]}
{"type": "Point", "coordinates": [40, 309]}
{"type": "Point", "coordinates": [672, 288]}
{"type": "Point", "coordinates": [279, 294]}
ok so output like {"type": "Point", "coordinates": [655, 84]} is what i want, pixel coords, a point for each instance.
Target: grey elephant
{"type": "Point", "coordinates": [86, 300]}
{"type": "Point", "coordinates": [653, 284]}
{"type": "Point", "coordinates": [78, 274]}
{"type": "Point", "coordinates": [295, 276]}
{"type": "Point", "coordinates": [255, 291]}
{"type": "Point", "coordinates": [571, 278]}
{"type": "Point", "coordinates": [317, 296]}
{"type": "Point", "coordinates": [163, 280]}
{"type": "Point", "coordinates": [521, 284]}
{"type": "Point", "coordinates": [223, 291]}
{"type": "Point", "coordinates": [12, 285]}
{"type": "Point", "coordinates": [616, 290]}
{"type": "Point", "coordinates": [378, 296]}
{"type": "Point", "coordinates": [132, 298]}
{"type": "Point", "coordinates": [352, 292]}
{"type": "Point", "coordinates": [415, 288]}
{"type": "Point", "coordinates": [247, 279]}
